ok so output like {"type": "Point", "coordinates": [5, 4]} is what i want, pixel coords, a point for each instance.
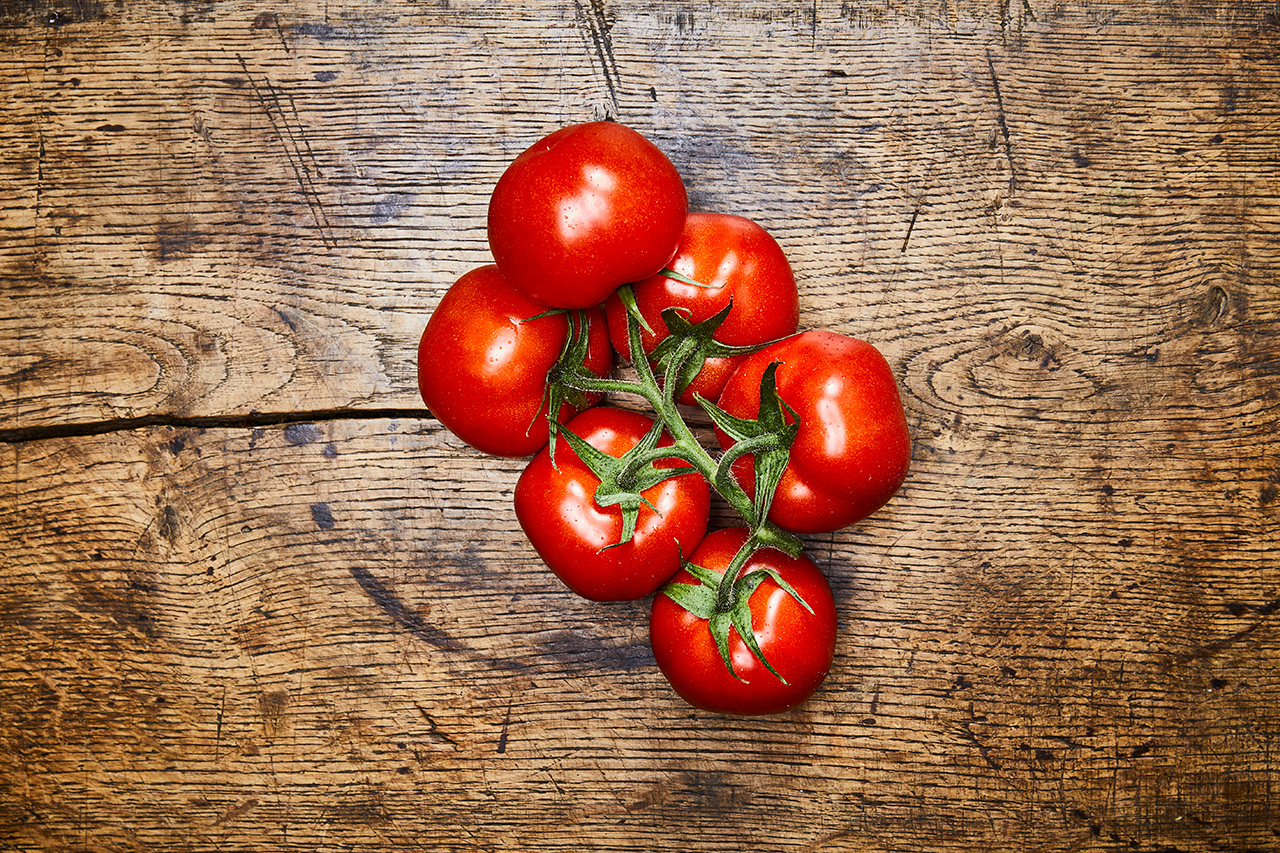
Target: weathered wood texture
{"type": "Point", "coordinates": [242, 609]}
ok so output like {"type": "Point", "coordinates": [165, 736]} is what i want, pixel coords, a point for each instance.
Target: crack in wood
{"type": "Point", "coordinates": [1003, 122]}
{"type": "Point", "coordinates": [434, 733]}
{"type": "Point", "coordinates": [506, 726]}
{"type": "Point", "coordinates": [911, 226]}
{"type": "Point", "coordinates": [18, 435]}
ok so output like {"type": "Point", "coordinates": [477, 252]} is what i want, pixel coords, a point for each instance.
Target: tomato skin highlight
{"type": "Point", "coordinates": [558, 513]}
{"type": "Point", "coordinates": [740, 262]}
{"type": "Point", "coordinates": [800, 645]}
{"type": "Point", "coordinates": [853, 448]}
{"type": "Point", "coordinates": [483, 362]}
{"type": "Point", "coordinates": [583, 211]}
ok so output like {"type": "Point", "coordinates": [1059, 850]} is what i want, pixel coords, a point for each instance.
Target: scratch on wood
{"type": "Point", "coordinates": [269, 20]}
{"type": "Point", "coordinates": [506, 725]}
{"type": "Point", "coordinates": [306, 140]}
{"type": "Point", "coordinates": [594, 23]}
{"type": "Point", "coordinates": [396, 609]}
{"type": "Point", "coordinates": [1003, 122]}
{"type": "Point", "coordinates": [217, 737]}
{"type": "Point", "coordinates": [301, 158]}
{"type": "Point", "coordinates": [983, 750]}
{"type": "Point", "coordinates": [1212, 648]}
{"type": "Point", "coordinates": [433, 728]}
{"type": "Point", "coordinates": [1025, 13]}
{"type": "Point", "coordinates": [915, 214]}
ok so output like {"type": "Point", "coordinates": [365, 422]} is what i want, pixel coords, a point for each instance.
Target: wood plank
{"type": "Point", "coordinates": [239, 608]}
{"type": "Point", "coordinates": [333, 635]}
{"type": "Point", "coordinates": [224, 210]}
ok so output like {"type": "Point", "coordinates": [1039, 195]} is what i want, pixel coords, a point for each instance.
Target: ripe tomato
{"type": "Point", "coordinates": [583, 211]}
{"type": "Point", "coordinates": [556, 507]}
{"type": "Point", "coordinates": [852, 450]}
{"type": "Point", "coordinates": [797, 643]}
{"type": "Point", "coordinates": [739, 262]}
{"type": "Point", "coordinates": [483, 362]}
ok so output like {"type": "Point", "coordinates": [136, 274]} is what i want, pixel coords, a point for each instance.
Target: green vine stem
{"type": "Point", "coordinates": [685, 445]}
{"type": "Point", "coordinates": [769, 438]}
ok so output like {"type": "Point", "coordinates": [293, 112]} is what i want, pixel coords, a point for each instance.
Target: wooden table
{"type": "Point", "coordinates": [253, 597]}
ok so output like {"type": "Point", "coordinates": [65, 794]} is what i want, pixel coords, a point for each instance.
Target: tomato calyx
{"type": "Point", "coordinates": [684, 351]}
{"type": "Point", "coordinates": [688, 345]}
{"type": "Point", "coordinates": [572, 361]}
{"type": "Point", "coordinates": [624, 479]}
{"type": "Point", "coordinates": [769, 436]}
{"type": "Point", "coordinates": [723, 600]}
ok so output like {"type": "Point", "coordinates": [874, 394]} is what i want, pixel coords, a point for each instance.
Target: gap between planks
{"type": "Point", "coordinates": [19, 435]}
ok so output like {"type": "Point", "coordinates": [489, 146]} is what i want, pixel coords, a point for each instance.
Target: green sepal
{"type": "Point", "coordinates": [707, 576]}
{"type": "Point", "coordinates": [627, 296]}
{"type": "Point", "coordinates": [719, 625]}
{"type": "Point", "coordinates": [786, 587]}
{"type": "Point", "coordinates": [688, 345]}
{"type": "Point", "coordinates": [701, 599]}
{"type": "Point", "coordinates": [559, 388]}
{"type": "Point", "coordinates": [698, 598]}
{"type": "Point", "coordinates": [769, 437]}
{"type": "Point", "coordinates": [624, 479]}
{"type": "Point", "coordinates": [741, 618]}
{"type": "Point", "coordinates": [684, 279]}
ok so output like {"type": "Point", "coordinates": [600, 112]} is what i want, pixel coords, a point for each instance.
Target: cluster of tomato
{"type": "Point", "coordinates": [596, 253]}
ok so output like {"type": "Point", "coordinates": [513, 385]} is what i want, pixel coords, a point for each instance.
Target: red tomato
{"type": "Point", "coordinates": [482, 363]}
{"type": "Point", "coordinates": [798, 644]}
{"type": "Point", "coordinates": [852, 450]}
{"type": "Point", "coordinates": [738, 261]}
{"type": "Point", "coordinates": [583, 211]}
{"type": "Point", "coordinates": [571, 532]}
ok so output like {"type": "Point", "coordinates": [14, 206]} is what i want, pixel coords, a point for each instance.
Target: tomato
{"type": "Point", "coordinates": [852, 450]}
{"type": "Point", "coordinates": [583, 211]}
{"type": "Point", "coordinates": [556, 507]}
{"type": "Point", "coordinates": [797, 643]}
{"type": "Point", "coordinates": [738, 261]}
{"type": "Point", "coordinates": [483, 362]}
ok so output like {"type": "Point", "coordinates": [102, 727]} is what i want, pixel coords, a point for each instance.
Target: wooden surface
{"type": "Point", "coordinates": [253, 597]}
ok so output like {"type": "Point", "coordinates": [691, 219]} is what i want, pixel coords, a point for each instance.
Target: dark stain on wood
{"type": "Point", "coordinates": [322, 515]}
{"type": "Point", "coordinates": [301, 434]}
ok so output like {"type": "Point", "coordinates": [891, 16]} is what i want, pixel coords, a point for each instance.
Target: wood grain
{"type": "Point", "coordinates": [252, 596]}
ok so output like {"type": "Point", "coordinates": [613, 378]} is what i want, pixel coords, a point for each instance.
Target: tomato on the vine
{"type": "Point", "coordinates": [734, 260]}
{"type": "Point", "coordinates": [483, 361]}
{"type": "Point", "coordinates": [582, 541]}
{"type": "Point", "coordinates": [797, 641]}
{"type": "Point", "coordinates": [583, 211]}
{"type": "Point", "coordinates": [852, 450]}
